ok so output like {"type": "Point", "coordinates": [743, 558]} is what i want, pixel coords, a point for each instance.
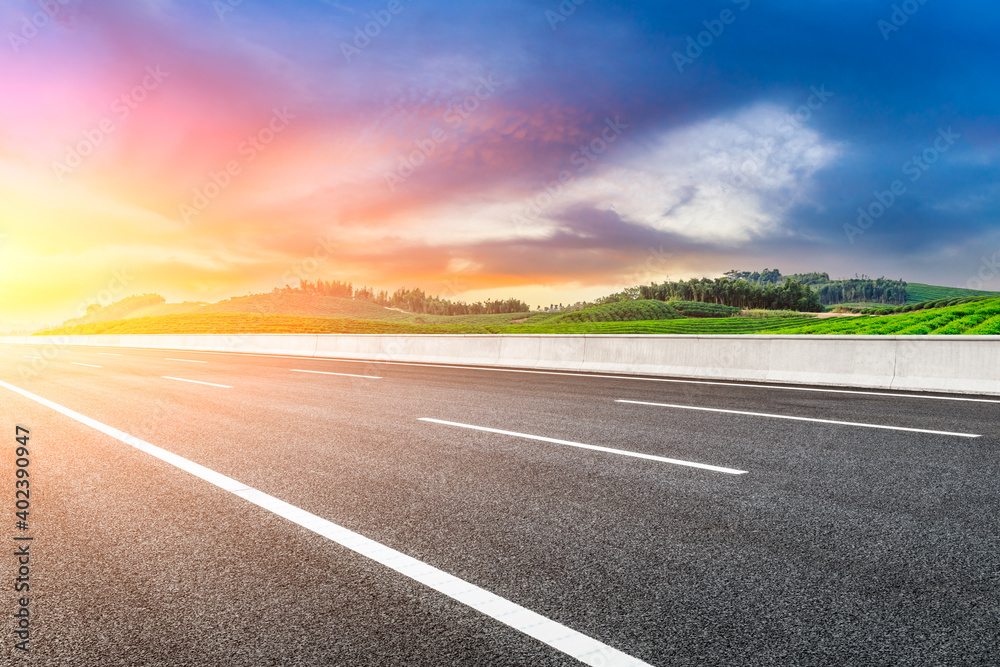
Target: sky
{"type": "Point", "coordinates": [551, 151]}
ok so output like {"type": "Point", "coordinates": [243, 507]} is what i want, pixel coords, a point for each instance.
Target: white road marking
{"type": "Point", "coordinates": [109, 354]}
{"type": "Point", "coordinates": [77, 363]}
{"type": "Point", "coordinates": [30, 356]}
{"type": "Point", "coordinates": [574, 644]}
{"type": "Point", "coordinates": [803, 419]}
{"type": "Point", "coordinates": [190, 361]}
{"type": "Point", "coordinates": [888, 393]}
{"type": "Point", "coordinates": [370, 377]}
{"type": "Point", "coordinates": [622, 452]}
{"type": "Point", "coordinates": [210, 384]}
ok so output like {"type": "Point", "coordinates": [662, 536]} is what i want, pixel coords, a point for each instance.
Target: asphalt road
{"type": "Point", "coordinates": [802, 543]}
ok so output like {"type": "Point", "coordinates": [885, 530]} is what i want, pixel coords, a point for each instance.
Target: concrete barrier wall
{"type": "Point", "coordinates": [963, 364]}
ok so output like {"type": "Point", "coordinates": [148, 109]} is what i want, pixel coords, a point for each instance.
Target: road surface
{"type": "Point", "coordinates": [223, 509]}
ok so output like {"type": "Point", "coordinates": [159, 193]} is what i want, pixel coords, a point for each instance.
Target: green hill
{"type": "Point", "coordinates": [306, 305]}
{"type": "Point", "coordinates": [168, 309]}
{"type": "Point", "coordinates": [275, 303]}
{"type": "Point", "coordinates": [117, 310]}
{"type": "Point", "coordinates": [918, 292]}
{"type": "Point", "coordinates": [249, 323]}
{"type": "Point", "coordinates": [981, 317]}
{"type": "Point", "coordinates": [294, 304]}
{"type": "Point", "coordinates": [645, 310]}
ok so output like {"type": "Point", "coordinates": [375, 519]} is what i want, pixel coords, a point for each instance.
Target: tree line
{"type": "Point", "coordinates": [740, 293]}
{"type": "Point", "coordinates": [765, 277]}
{"type": "Point", "coordinates": [864, 290]}
{"type": "Point", "coordinates": [858, 289]}
{"type": "Point", "coordinates": [410, 300]}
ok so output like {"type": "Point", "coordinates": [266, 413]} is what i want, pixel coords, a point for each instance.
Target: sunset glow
{"type": "Point", "coordinates": [203, 150]}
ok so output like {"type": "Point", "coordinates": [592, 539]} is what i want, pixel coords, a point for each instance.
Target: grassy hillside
{"type": "Point", "coordinates": [918, 292]}
{"type": "Point", "coordinates": [283, 303]}
{"type": "Point", "coordinates": [117, 310]}
{"type": "Point", "coordinates": [247, 323]}
{"type": "Point", "coordinates": [168, 309]}
{"type": "Point", "coordinates": [645, 310]}
{"type": "Point", "coordinates": [973, 318]}
{"type": "Point", "coordinates": [319, 307]}
{"type": "Point", "coordinates": [976, 317]}
{"type": "Point", "coordinates": [306, 305]}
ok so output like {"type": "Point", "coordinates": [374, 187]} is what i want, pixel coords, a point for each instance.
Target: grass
{"type": "Point", "coordinates": [761, 313]}
{"type": "Point", "coordinates": [306, 305]}
{"type": "Point", "coordinates": [249, 323]}
{"type": "Point", "coordinates": [980, 317]}
{"type": "Point", "coordinates": [918, 292]}
{"type": "Point", "coordinates": [644, 310]}
{"type": "Point", "coordinates": [622, 311]}
{"type": "Point", "coordinates": [167, 309]}
{"type": "Point", "coordinates": [923, 305]}
{"type": "Point", "coordinates": [315, 306]}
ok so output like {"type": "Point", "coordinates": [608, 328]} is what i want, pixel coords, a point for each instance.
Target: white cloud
{"type": "Point", "coordinates": [721, 180]}
{"type": "Point", "coordinates": [725, 179]}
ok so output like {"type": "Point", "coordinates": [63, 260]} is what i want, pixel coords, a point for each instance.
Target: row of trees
{"type": "Point", "coordinates": [810, 278]}
{"type": "Point", "coordinates": [410, 300]}
{"type": "Point", "coordinates": [765, 277]}
{"type": "Point", "coordinates": [788, 295]}
{"type": "Point", "coordinates": [864, 290]}
{"type": "Point", "coordinates": [417, 301]}
{"type": "Point", "coordinates": [327, 288]}
{"type": "Point", "coordinates": [857, 289]}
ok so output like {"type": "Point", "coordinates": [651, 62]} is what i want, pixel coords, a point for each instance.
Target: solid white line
{"type": "Point", "coordinates": [109, 354]}
{"type": "Point", "coordinates": [574, 644]}
{"type": "Point", "coordinates": [29, 356]}
{"type": "Point", "coordinates": [622, 452]}
{"type": "Point", "coordinates": [804, 419]}
{"type": "Point", "coordinates": [77, 363]}
{"type": "Point", "coordinates": [719, 383]}
{"type": "Point", "coordinates": [190, 361]}
{"type": "Point", "coordinates": [211, 384]}
{"type": "Point", "coordinates": [370, 377]}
